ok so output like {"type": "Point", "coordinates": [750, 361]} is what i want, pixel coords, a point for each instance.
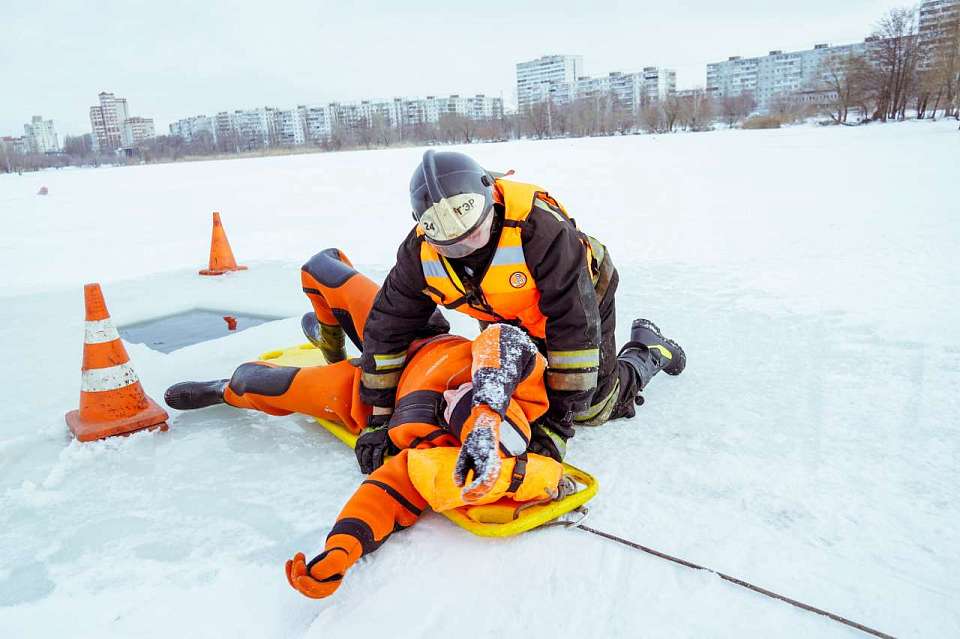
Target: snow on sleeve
{"type": "Point", "coordinates": [502, 356]}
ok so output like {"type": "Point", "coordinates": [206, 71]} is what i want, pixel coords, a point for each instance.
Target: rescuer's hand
{"type": "Point", "coordinates": [479, 454]}
{"type": "Point", "coordinates": [374, 444]}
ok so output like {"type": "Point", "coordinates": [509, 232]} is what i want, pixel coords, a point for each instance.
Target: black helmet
{"type": "Point", "coordinates": [452, 198]}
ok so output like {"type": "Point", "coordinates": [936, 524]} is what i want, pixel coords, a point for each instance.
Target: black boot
{"type": "Point", "coordinates": [329, 339]}
{"type": "Point", "coordinates": [648, 352]}
{"type": "Point", "coordinates": [666, 352]}
{"type": "Point", "coordinates": [192, 395]}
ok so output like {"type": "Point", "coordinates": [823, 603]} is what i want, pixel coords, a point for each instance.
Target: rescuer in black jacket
{"type": "Point", "coordinates": [503, 251]}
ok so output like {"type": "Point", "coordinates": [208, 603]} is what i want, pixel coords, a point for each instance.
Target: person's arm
{"type": "Point", "coordinates": [557, 259]}
{"type": "Point", "coordinates": [399, 311]}
{"type": "Point", "coordinates": [503, 357]}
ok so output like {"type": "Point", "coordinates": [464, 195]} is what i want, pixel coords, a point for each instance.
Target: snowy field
{"type": "Point", "coordinates": [811, 447]}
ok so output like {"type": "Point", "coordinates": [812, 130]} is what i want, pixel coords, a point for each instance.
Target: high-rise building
{"type": "Point", "coordinates": [560, 80]}
{"type": "Point", "coordinates": [775, 74]}
{"type": "Point", "coordinates": [137, 130]}
{"type": "Point", "coordinates": [537, 78]}
{"type": "Point", "coordinates": [317, 121]}
{"type": "Point", "coordinates": [288, 129]}
{"type": "Point", "coordinates": [940, 28]}
{"type": "Point", "coordinates": [111, 130]}
{"type": "Point", "coordinates": [41, 135]}
{"type": "Point", "coordinates": [195, 128]}
{"type": "Point", "coordinates": [658, 83]}
{"type": "Point", "coordinates": [106, 120]}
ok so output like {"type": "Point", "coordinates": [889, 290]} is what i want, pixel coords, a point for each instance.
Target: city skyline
{"type": "Point", "coordinates": [188, 61]}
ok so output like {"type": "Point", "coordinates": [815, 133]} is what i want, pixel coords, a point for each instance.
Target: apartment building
{"type": "Point", "coordinates": [631, 91]}
{"type": "Point", "coordinates": [658, 83]}
{"type": "Point", "coordinates": [537, 78]}
{"type": "Point", "coordinates": [559, 79]}
{"type": "Point", "coordinates": [268, 126]}
{"type": "Point", "coordinates": [775, 74]}
{"type": "Point", "coordinates": [41, 135]}
{"type": "Point", "coordinates": [106, 122]}
{"type": "Point", "coordinates": [136, 130]}
{"type": "Point", "coordinates": [195, 128]}
{"type": "Point", "coordinates": [112, 126]}
{"type": "Point", "coordinates": [939, 28]}
{"type": "Point", "coordinates": [287, 129]}
{"type": "Point", "coordinates": [317, 121]}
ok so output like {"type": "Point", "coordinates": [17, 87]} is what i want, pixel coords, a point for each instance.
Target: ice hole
{"type": "Point", "coordinates": [171, 332]}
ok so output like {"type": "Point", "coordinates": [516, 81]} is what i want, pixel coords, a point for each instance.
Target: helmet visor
{"type": "Point", "coordinates": [476, 239]}
{"type": "Point", "coordinates": [453, 217]}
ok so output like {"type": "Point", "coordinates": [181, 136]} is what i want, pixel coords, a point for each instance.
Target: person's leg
{"type": "Point", "coordinates": [625, 374]}
{"type": "Point", "coordinates": [383, 504]}
{"type": "Point", "coordinates": [328, 392]}
{"type": "Point", "coordinates": [609, 377]}
{"type": "Point", "coordinates": [341, 298]}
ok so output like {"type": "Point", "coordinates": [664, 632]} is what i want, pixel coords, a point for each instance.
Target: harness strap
{"type": "Point", "coordinates": [519, 472]}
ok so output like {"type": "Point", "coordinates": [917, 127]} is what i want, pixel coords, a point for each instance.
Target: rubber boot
{"type": "Point", "coordinates": [193, 395]}
{"type": "Point", "coordinates": [329, 339]}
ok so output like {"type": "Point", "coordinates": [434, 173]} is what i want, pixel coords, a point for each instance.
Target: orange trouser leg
{"type": "Point", "coordinates": [329, 392]}
{"type": "Point", "coordinates": [338, 293]}
{"type": "Point", "coordinates": [385, 502]}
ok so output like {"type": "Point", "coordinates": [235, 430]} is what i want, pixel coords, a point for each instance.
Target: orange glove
{"type": "Point", "coordinates": [479, 453]}
{"type": "Point", "coordinates": [322, 576]}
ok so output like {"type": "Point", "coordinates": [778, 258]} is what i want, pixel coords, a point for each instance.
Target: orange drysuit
{"type": "Point", "coordinates": [448, 387]}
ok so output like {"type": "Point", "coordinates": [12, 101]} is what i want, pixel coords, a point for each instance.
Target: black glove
{"type": "Point", "coordinates": [374, 444]}
{"type": "Point", "coordinates": [549, 435]}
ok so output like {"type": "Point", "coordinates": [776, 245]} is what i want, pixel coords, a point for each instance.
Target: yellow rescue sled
{"type": "Point", "coordinates": [502, 518]}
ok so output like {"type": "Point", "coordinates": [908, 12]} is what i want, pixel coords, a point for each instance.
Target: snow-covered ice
{"type": "Point", "coordinates": [812, 446]}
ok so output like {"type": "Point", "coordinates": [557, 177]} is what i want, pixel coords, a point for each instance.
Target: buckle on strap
{"type": "Point", "coordinates": [519, 472]}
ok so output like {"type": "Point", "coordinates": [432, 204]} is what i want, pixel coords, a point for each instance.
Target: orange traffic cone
{"type": "Point", "coordinates": [221, 256]}
{"type": "Point", "coordinates": [112, 402]}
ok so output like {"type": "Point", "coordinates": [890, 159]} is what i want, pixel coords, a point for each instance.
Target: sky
{"type": "Point", "coordinates": [175, 58]}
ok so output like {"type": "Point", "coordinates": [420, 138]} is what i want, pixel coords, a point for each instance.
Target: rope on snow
{"type": "Point", "coordinates": [740, 582]}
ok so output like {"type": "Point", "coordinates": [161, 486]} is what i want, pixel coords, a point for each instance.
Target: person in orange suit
{"type": "Point", "coordinates": [458, 433]}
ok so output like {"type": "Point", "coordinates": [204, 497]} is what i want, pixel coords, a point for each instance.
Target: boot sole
{"type": "Point", "coordinates": [307, 324]}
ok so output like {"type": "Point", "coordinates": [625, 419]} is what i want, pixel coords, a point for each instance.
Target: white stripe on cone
{"type": "Point", "coordinates": [97, 380]}
{"type": "Point", "coordinates": [100, 331]}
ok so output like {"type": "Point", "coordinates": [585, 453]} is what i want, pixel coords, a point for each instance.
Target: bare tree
{"type": "Point", "coordinates": [582, 117]}
{"type": "Point", "coordinates": [896, 52]}
{"type": "Point", "coordinates": [671, 108]}
{"type": "Point", "coordinates": [652, 118]}
{"type": "Point", "coordinates": [536, 119]}
{"type": "Point", "coordinates": [696, 111]}
{"type": "Point", "coordinates": [845, 80]}
{"type": "Point", "coordinates": [456, 128]}
{"type": "Point", "coordinates": [624, 119]}
{"type": "Point", "coordinates": [735, 108]}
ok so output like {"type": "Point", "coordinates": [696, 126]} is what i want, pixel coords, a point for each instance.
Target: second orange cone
{"type": "Point", "coordinates": [221, 255]}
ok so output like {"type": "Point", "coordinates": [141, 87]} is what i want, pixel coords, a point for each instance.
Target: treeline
{"type": "Point", "coordinates": [902, 74]}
